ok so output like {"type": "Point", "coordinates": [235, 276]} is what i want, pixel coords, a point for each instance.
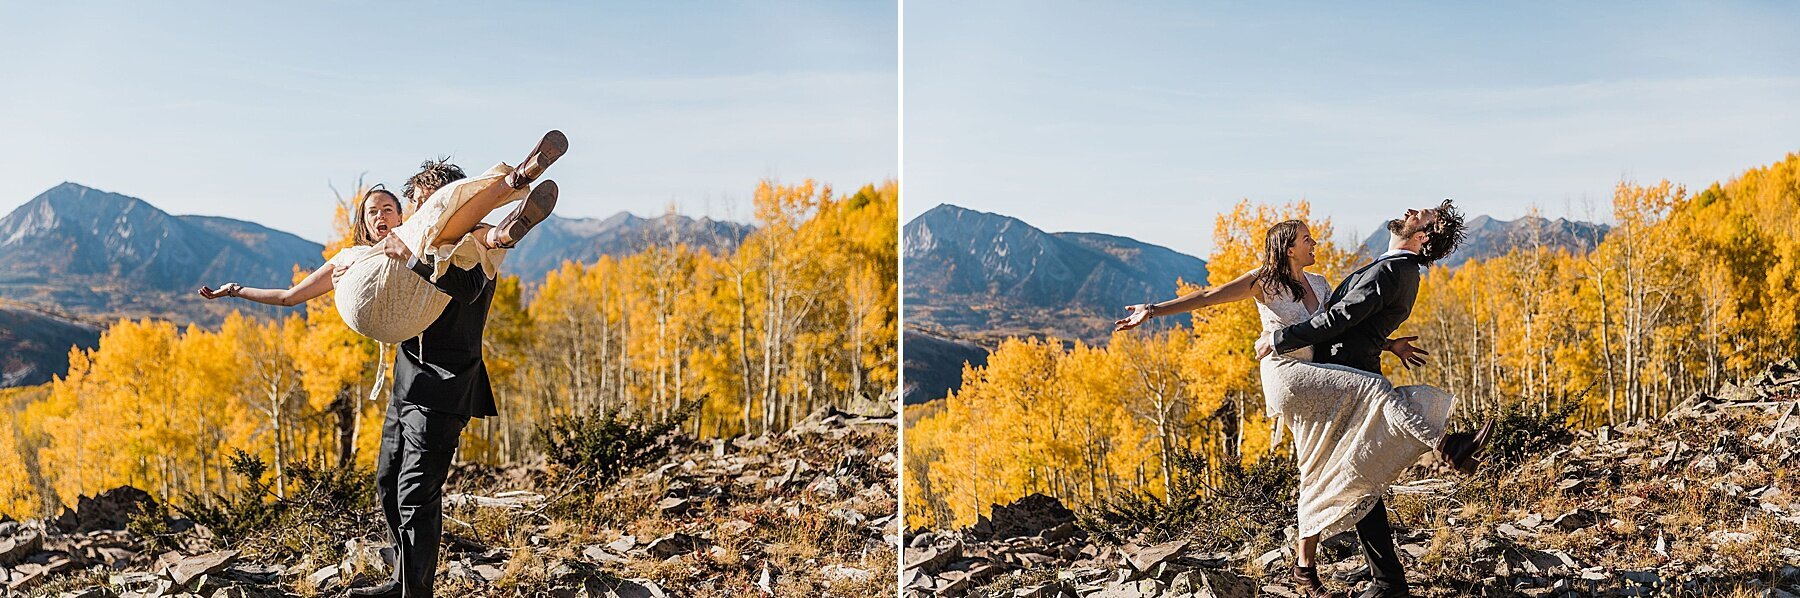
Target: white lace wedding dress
{"type": "Point", "coordinates": [1354, 431]}
{"type": "Point", "coordinates": [380, 299]}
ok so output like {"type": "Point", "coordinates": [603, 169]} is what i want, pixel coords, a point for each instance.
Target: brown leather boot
{"type": "Point", "coordinates": [548, 149]}
{"type": "Point", "coordinates": [1306, 580]}
{"type": "Point", "coordinates": [530, 213]}
{"type": "Point", "coordinates": [1460, 449]}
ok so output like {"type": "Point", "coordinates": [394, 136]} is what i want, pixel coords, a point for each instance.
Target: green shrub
{"type": "Point", "coordinates": [1216, 509]}
{"type": "Point", "coordinates": [321, 509]}
{"type": "Point", "coordinates": [600, 448]}
{"type": "Point", "coordinates": [235, 516]}
{"type": "Point", "coordinates": [153, 526]}
{"type": "Point", "coordinates": [1519, 434]}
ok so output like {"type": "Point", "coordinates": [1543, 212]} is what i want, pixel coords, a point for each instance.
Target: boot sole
{"type": "Point", "coordinates": [529, 214]}
{"type": "Point", "coordinates": [549, 149]}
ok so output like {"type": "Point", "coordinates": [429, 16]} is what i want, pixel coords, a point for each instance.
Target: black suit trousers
{"type": "Point", "coordinates": [1377, 539]}
{"type": "Point", "coordinates": [1373, 530]}
{"type": "Point", "coordinates": [417, 446]}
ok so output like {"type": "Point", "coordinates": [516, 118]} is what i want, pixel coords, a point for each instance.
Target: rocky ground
{"type": "Point", "coordinates": [1700, 502]}
{"type": "Point", "coordinates": [810, 512]}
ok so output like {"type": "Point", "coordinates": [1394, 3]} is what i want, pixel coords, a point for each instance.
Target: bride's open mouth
{"type": "Point", "coordinates": [381, 227]}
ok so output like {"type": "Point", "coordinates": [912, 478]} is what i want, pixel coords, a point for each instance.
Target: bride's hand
{"type": "Point", "coordinates": [1409, 355]}
{"type": "Point", "coordinates": [229, 289]}
{"type": "Point", "coordinates": [1139, 314]}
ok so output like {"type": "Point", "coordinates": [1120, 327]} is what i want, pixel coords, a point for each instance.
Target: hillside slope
{"type": "Point", "coordinates": [1699, 502]}
{"type": "Point", "coordinates": [808, 512]}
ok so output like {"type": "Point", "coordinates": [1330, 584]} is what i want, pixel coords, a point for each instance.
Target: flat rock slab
{"type": "Point", "coordinates": [325, 577]}
{"type": "Point", "coordinates": [623, 544]}
{"type": "Point", "coordinates": [16, 548]}
{"type": "Point", "coordinates": [487, 572]}
{"type": "Point", "coordinates": [186, 570]}
{"type": "Point", "coordinates": [672, 545]}
{"type": "Point", "coordinates": [673, 506]}
{"type": "Point", "coordinates": [626, 588]}
{"type": "Point", "coordinates": [1143, 558]}
{"type": "Point", "coordinates": [599, 554]}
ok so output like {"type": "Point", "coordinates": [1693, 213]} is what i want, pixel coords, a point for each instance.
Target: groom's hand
{"type": "Point", "coordinates": [1265, 345]}
{"type": "Point", "coordinates": [1409, 355]}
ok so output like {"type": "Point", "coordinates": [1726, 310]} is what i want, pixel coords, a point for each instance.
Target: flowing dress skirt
{"type": "Point", "coordinates": [1354, 433]}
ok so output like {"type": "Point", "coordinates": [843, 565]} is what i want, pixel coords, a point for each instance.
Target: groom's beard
{"type": "Point", "coordinates": [1397, 226]}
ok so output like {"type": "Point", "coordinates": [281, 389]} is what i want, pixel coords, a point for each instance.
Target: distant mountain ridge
{"type": "Point", "coordinates": [584, 240]}
{"type": "Point", "coordinates": [974, 272]}
{"type": "Point", "coordinates": [96, 253]}
{"type": "Point", "coordinates": [1489, 237]}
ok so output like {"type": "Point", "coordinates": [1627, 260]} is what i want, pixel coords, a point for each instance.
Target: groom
{"type": "Point", "coordinates": [1368, 306]}
{"type": "Point", "coordinates": [440, 381]}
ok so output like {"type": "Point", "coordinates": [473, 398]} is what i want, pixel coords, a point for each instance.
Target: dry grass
{"type": "Point", "coordinates": [1690, 504]}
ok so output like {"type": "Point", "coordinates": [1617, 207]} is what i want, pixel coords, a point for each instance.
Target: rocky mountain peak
{"type": "Point", "coordinates": [975, 272]}
{"type": "Point", "coordinates": [1491, 237]}
{"type": "Point", "coordinates": [584, 240]}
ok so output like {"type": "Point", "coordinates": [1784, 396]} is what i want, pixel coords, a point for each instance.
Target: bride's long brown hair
{"type": "Point", "coordinates": [1276, 276]}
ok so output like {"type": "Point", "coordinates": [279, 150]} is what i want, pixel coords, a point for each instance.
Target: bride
{"type": "Point", "coordinates": [377, 296]}
{"type": "Point", "coordinates": [1354, 432]}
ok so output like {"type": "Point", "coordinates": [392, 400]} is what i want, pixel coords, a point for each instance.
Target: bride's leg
{"type": "Point", "coordinates": [1308, 551]}
{"type": "Point", "coordinates": [1306, 570]}
{"type": "Point", "coordinates": [493, 194]}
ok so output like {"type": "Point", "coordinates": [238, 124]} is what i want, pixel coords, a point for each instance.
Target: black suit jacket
{"type": "Point", "coordinates": [1368, 306]}
{"type": "Point", "coordinates": [442, 369]}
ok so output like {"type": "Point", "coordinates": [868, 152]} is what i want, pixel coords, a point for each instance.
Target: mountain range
{"type": "Point", "coordinates": [978, 273]}
{"type": "Point", "coordinates": [1488, 237]}
{"type": "Point", "coordinates": [74, 258]}
{"type": "Point", "coordinates": [99, 254]}
{"type": "Point", "coordinates": [584, 240]}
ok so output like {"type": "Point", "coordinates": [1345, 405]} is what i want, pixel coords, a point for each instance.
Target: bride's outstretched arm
{"type": "Point", "coordinates": [312, 286]}
{"type": "Point", "coordinates": [1238, 289]}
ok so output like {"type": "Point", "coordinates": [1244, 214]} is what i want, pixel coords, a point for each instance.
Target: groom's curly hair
{"type": "Point", "coordinates": [433, 175]}
{"type": "Point", "coordinates": [1443, 236]}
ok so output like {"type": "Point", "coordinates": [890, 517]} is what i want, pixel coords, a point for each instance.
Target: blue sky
{"type": "Point", "coordinates": [1147, 119]}
{"type": "Point", "coordinates": [249, 109]}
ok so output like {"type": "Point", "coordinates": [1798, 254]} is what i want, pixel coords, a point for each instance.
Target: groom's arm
{"type": "Point", "coordinates": [1358, 303]}
{"type": "Point", "coordinates": [462, 285]}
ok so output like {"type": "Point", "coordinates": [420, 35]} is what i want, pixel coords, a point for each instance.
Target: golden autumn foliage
{"type": "Point", "coordinates": [1687, 292]}
{"type": "Point", "coordinates": [803, 314]}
